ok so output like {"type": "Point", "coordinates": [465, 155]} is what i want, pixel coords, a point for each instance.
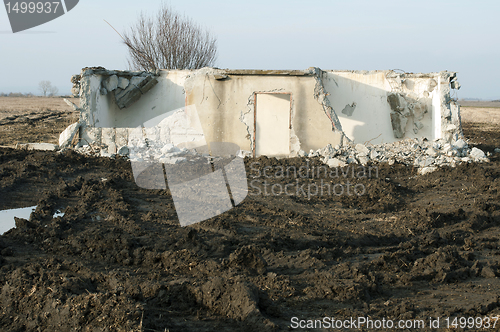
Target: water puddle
{"type": "Point", "coordinates": [7, 217]}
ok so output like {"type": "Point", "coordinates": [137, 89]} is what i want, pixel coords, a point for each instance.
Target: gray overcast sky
{"type": "Point", "coordinates": [415, 36]}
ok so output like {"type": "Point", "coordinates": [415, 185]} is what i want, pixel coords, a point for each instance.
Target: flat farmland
{"type": "Point", "coordinates": [34, 119]}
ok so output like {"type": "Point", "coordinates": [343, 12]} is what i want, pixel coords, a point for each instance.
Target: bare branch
{"type": "Point", "coordinates": [169, 41]}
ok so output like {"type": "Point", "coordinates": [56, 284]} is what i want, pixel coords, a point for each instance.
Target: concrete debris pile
{"type": "Point", "coordinates": [421, 153]}
{"type": "Point", "coordinates": [146, 150]}
{"type": "Point", "coordinates": [426, 155]}
{"type": "Point", "coordinates": [127, 91]}
{"type": "Point", "coordinates": [190, 108]}
{"type": "Point", "coordinates": [126, 86]}
{"type": "Point", "coordinates": [92, 149]}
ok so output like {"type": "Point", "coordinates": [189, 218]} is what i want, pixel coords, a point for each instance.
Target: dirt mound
{"type": "Point", "coordinates": [408, 247]}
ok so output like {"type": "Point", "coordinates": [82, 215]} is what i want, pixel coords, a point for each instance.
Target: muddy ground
{"type": "Point", "coordinates": [409, 248]}
{"type": "Point", "coordinates": [22, 120]}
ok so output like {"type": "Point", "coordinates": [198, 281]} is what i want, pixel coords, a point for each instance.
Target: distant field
{"type": "Point", "coordinates": [472, 103]}
{"type": "Point", "coordinates": [490, 116]}
{"type": "Point", "coordinates": [34, 119]}
{"type": "Point", "coordinates": [19, 105]}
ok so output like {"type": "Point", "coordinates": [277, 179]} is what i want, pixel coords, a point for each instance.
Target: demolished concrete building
{"type": "Point", "coordinates": [264, 112]}
{"type": "Point", "coordinates": [191, 128]}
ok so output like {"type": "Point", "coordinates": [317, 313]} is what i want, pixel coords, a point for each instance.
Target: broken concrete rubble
{"type": "Point", "coordinates": [392, 105]}
{"type": "Point", "coordinates": [335, 162]}
{"type": "Point", "coordinates": [123, 83]}
{"type": "Point", "coordinates": [127, 86]}
{"type": "Point", "coordinates": [404, 110]}
{"type": "Point", "coordinates": [123, 151]}
{"type": "Point", "coordinates": [399, 114]}
{"type": "Point", "coordinates": [37, 146]}
{"type": "Point", "coordinates": [75, 90]}
{"type": "Point", "coordinates": [477, 154]}
{"type": "Point", "coordinates": [111, 83]}
{"type": "Point", "coordinates": [237, 105]}
{"type": "Point", "coordinates": [362, 150]}
{"type": "Point", "coordinates": [125, 91]}
{"type": "Point", "coordinates": [67, 136]}
{"type": "Point", "coordinates": [136, 88]}
{"type": "Point", "coordinates": [411, 152]}
{"type": "Point", "coordinates": [426, 170]}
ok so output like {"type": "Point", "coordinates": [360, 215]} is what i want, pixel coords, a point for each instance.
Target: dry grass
{"type": "Point", "coordinates": [486, 113]}
{"type": "Point", "coordinates": [20, 105]}
{"type": "Point", "coordinates": [473, 103]}
{"type": "Point", "coordinates": [489, 116]}
{"type": "Point", "coordinates": [34, 119]}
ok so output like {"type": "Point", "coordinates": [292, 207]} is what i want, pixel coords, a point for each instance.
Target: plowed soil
{"type": "Point", "coordinates": [408, 248]}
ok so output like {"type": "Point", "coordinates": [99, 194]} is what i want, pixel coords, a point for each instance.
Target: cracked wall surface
{"type": "Point", "coordinates": [326, 106]}
{"type": "Point", "coordinates": [387, 106]}
{"type": "Point", "coordinates": [141, 100]}
{"type": "Point", "coordinates": [225, 101]}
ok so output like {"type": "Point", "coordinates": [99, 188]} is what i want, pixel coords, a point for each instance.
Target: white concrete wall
{"type": "Point", "coordinates": [221, 105]}
{"type": "Point", "coordinates": [226, 108]}
{"type": "Point", "coordinates": [105, 123]}
{"type": "Point", "coordinates": [370, 120]}
{"type": "Point", "coordinates": [166, 96]}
